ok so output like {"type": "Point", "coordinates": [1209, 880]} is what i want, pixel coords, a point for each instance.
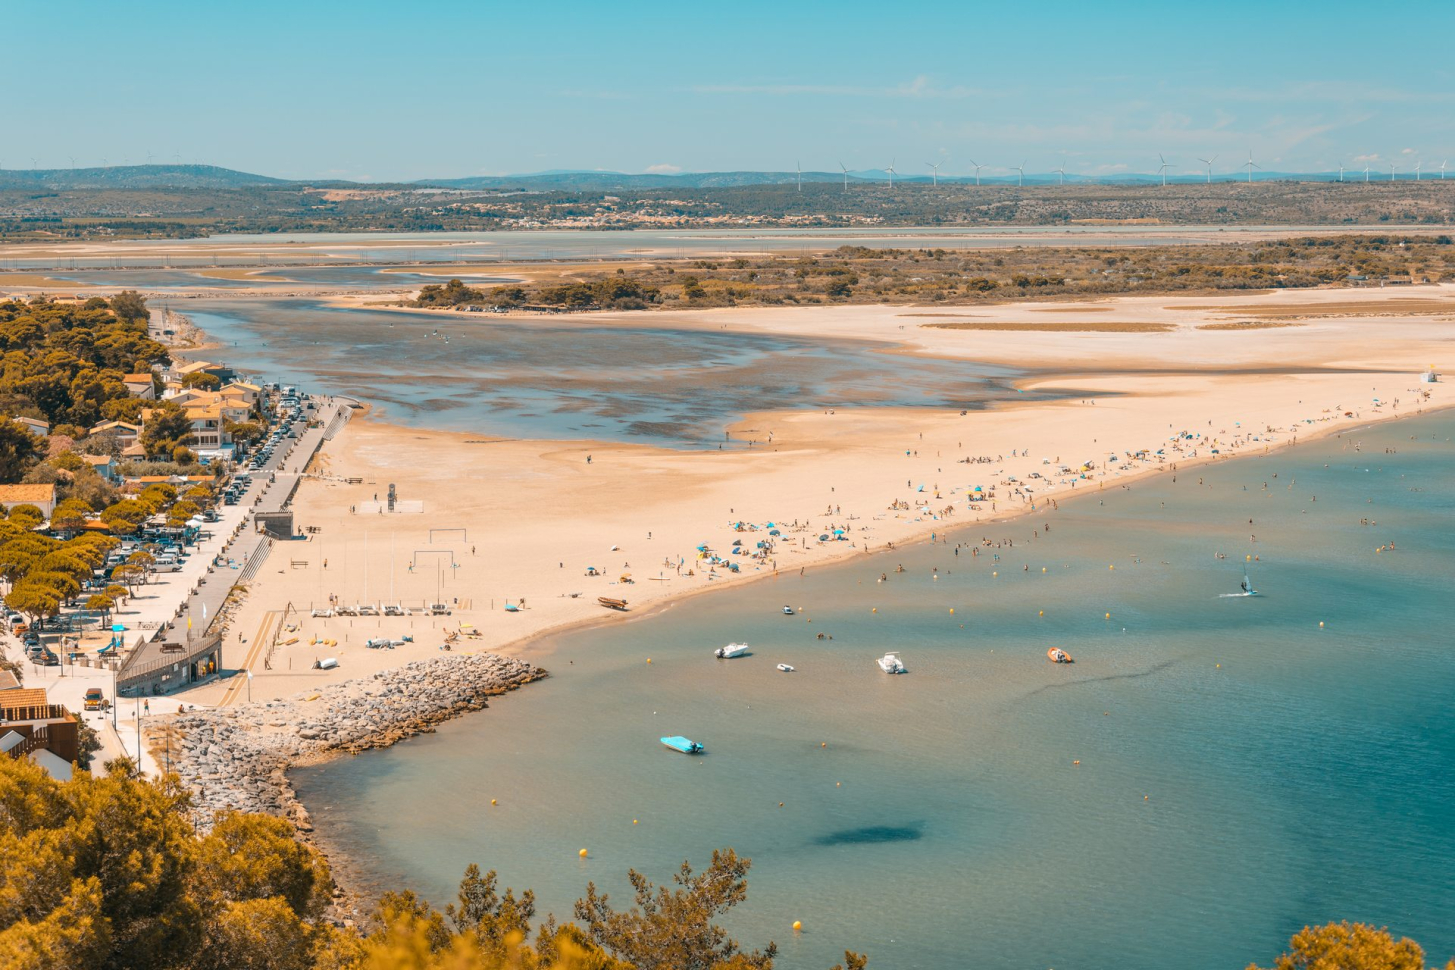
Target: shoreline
{"type": "Point", "coordinates": [687, 486]}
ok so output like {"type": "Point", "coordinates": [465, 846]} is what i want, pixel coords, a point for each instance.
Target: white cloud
{"type": "Point", "coordinates": [664, 169]}
{"type": "Point", "coordinates": [1406, 151]}
{"type": "Point", "coordinates": [1367, 158]}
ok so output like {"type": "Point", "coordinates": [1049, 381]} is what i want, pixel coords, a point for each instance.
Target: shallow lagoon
{"type": "Point", "coordinates": [1242, 771]}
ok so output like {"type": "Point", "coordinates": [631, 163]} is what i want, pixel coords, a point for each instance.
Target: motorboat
{"type": "Point", "coordinates": [730, 651]}
{"type": "Point", "coordinates": [787, 611]}
{"type": "Point", "coordinates": [1058, 656]}
{"type": "Point", "coordinates": [786, 668]}
{"type": "Point", "coordinates": [891, 664]}
{"type": "Point", "coordinates": [678, 743]}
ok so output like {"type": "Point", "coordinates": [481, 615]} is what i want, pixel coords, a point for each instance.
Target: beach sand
{"type": "Point", "coordinates": [535, 515]}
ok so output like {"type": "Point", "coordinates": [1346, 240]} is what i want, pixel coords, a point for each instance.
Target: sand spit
{"type": "Point", "coordinates": [238, 758]}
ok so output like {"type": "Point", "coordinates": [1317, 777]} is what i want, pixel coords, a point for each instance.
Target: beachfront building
{"type": "Point", "coordinates": [32, 727]}
{"type": "Point", "coordinates": [42, 497]}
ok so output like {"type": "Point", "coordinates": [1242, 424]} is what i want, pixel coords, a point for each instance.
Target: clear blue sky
{"type": "Point", "coordinates": [376, 91]}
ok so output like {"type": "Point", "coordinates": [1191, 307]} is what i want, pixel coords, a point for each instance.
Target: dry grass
{"type": "Point", "coordinates": [1099, 326]}
{"type": "Point", "coordinates": [1250, 325]}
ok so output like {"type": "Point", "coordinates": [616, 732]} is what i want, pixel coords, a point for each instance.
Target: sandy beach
{"type": "Point", "coordinates": [522, 524]}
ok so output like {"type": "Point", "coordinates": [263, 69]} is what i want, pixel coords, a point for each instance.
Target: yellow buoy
{"type": "Point", "coordinates": [780, 804]}
{"type": "Point", "coordinates": [1042, 613]}
{"type": "Point", "coordinates": [797, 925]}
{"type": "Point", "coordinates": [1111, 566]}
{"type": "Point", "coordinates": [649, 660]}
{"type": "Point", "coordinates": [1076, 762]}
{"type": "Point", "coordinates": [1321, 624]}
{"type": "Point", "coordinates": [995, 574]}
{"type": "Point", "coordinates": [1220, 666]}
{"type": "Point", "coordinates": [823, 744]}
{"type": "Point", "coordinates": [1043, 569]}
{"type": "Point", "coordinates": [1108, 616]}
{"type": "Point", "coordinates": [634, 821]}
{"type": "Point", "coordinates": [952, 611]}
{"type": "Point", "coordinates": [874, 610]}
{"type": "Point", "coordinates": [838, 784]}
{"type": "Point", "coordinates": [582, 853]}
{"type": "Point", "coordinates": [492, 801]}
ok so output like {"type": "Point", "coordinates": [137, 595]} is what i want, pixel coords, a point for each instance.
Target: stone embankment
{"type": "Point", "coordinates": [238, 758]}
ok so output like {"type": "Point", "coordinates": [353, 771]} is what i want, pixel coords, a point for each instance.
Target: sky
{"type": "Point", "coordinates": [376, 91]}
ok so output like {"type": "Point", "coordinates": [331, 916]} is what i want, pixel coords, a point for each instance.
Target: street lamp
{"type": "Point", "coordinates": [250, 686]}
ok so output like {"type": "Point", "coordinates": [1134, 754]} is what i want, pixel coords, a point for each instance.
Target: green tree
{"type": "Point", "coordinates": [202, 380]}
{"type": "Point", "coordinates": [1350, 946]}
{"type": "Point", "coordinates": [26, 516]}
{"type": "Point", "coordinates": [130, 306]}
{"type": "Point", "coordinates": [672, 929]}
{"type": "Point", "coordinates": [34, 600]}
{"type": "Point", "coordinates": [167, 428]}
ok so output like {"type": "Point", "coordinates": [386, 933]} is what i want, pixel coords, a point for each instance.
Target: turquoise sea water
{"type": "Point", "coordinates": [1242, 770]}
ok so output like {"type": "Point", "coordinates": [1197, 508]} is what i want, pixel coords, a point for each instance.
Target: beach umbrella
{"type": "Point", "coordinates": [838, 532]}
{"type": "Point", "coordinates": [774, 532]}
{"type": "Point", "coordinates": [118, 628]}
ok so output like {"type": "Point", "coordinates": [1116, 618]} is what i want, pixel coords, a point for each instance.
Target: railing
{"type": "Point", "coordinates": [255, 561]}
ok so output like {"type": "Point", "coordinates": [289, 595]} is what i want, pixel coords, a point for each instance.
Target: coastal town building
{"type": "Point", "coordinates": [34, 425]}
{"type": "Point", "coordinates": [42, 497]}
{"type": "Point", "coordinates": [126, 433]}
{"type": "Point", "coordinates": [140, 385]}
{"type": "Point", "coordinates": [32, 727]}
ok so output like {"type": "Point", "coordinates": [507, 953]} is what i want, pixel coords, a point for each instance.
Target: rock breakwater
{"type": "Point", "coordinates": [238, 758]}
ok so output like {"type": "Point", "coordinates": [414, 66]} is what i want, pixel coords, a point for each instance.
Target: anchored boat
{"type": "Point", "coordinates": [785, 668]}
{"type": "Point", "coordinates": [891, 664]}
{"type": "Point", "coordinates": [1058, 656]}
{"type": "Point", "coordinates": [730, 651]}
{"type": "Point", "coordinates": [679, 743]}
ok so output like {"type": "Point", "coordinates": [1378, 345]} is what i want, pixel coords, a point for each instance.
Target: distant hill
{"type": "Point", "coordinates": [133, 177]}
{"type": "Point", "coordinates": [620, 181]}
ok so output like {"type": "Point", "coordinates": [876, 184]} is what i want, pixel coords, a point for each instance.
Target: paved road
{"type": "Point", "coordinates": [271, 490]}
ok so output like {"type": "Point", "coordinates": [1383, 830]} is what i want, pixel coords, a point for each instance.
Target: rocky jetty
{"type": "Point", "coordinates": [238, 758]}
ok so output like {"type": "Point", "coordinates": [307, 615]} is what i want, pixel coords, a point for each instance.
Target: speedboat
{"type": "Point", "coordinates": [787, 611]}
{"type": "Point", "coordinates": [785, 668]}
{"type": "Point", "coordinates": [1058, 656]}
{"type": "Point", "coordinates": [730, 651]}
{"type": "Point", "coordinates": [678, 743]}
{"type": "Point", "coordinates": [891, 664]}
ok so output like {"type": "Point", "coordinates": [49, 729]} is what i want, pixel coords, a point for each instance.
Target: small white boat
{"type": "Point", "coordinates": [785, 668]}
{"type": "Point", "coordinates": [730, 651]}
{"type": "Point", "coordinates": [787, 611]}
{"type": "Point", "coordinates": [891, 664]}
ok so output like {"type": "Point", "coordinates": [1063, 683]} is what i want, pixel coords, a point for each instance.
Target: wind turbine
{"type": "Point", "coordinates": [1442, 169]}
{"type": "Point", "coordinates": [1391, 171]}
{"type": "Point", "coordinates": [1021, 174]}
{"type": "Point", "coordinates": [936, 168]}
{"type": "Point", "coordinates": [1341, 173]}
{"type": "Point", "coordinates": [1163, 170]}
{"type": "Point", "coordinates": [890, 170]}
{"type": "Point", "coordinates": [1417, 170]}
{"type": "Point", "coordinates": [800, 175]}
{"type": "Point", "coordinates": [1061, 174]}
{"type": "Point", "coordinates": [978, 167]}
{"type": "Point", "coordinates": [1366, 173]}
{"type": "Point", "coordinates": [1250, 165]}
{"type": "Point", "coordinates": [846, 175]}
{"type": "Point", "coordinates": [1208, 162]}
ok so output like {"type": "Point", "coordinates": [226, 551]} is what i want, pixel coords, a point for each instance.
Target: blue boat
{"type": "Point", "coordinates": [679, 743]}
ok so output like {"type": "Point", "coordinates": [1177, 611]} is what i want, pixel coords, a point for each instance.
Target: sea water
{"type": "Point", "coordinates": [1212, 773]}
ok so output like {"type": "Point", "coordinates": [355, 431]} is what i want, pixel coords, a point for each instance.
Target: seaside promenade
{"type": "Point", "coordinates": [188, 605]}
